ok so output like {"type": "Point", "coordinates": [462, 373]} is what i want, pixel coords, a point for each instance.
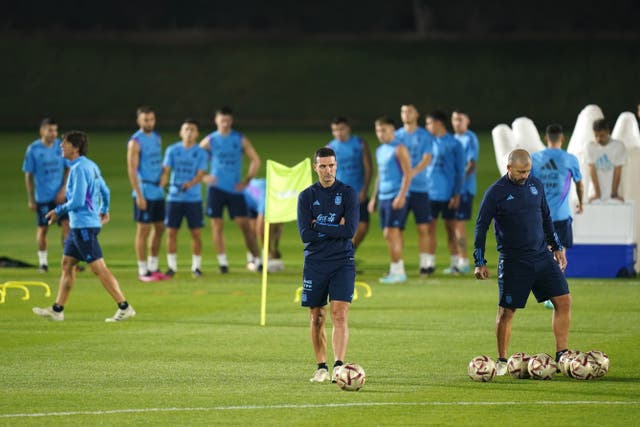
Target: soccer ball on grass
{"type": "Point", "coordinates": [482, 369]}
{"type": "Point", "coordinates": [350, 377]}
{"type": "Point", "coordinates": [541, 366]}
{"type": "Point", "coordinates": [518, 365]}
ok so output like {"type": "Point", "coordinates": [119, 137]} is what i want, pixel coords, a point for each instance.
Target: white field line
{"type": "Point", "coordinates": [310, 405]}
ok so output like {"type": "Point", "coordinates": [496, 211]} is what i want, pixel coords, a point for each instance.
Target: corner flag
{"type": "Point", "coordinates": [281, 205]}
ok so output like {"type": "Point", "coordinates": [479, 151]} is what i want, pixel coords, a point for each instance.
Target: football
{"type": "Point", "coordinates": [582, 366]}
{"type": "Point", "coordinates": [565, 361]}
{"type": "Point", "coordinates": [517, 365]}
{"type": "Point", "coordinates": [601, 366]}
{"type": "Point", "coordinates": [350, 377]}
{"type": "Point", "coordinates": [542, 366]}
{"type": "Point", "coordinates": [482, 368]}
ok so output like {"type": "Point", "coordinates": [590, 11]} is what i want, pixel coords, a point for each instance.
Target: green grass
{"type": "Point", "coordinates": [196, 355]}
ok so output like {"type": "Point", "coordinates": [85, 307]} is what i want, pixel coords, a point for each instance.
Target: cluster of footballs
{"type": "Point", "coordinates": [573, 363]}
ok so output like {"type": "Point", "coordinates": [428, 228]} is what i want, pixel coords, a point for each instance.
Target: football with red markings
{"type": "Point", "coordinates": [542, 366]}
{"type": "Point", "coordinates": [601, 366]}
{"type": "Point", "coordinates": [518, 365]}
{"type": "Point", "coordinates": [582, 367]}
{"type": "Point", "coordinates": [482, 368]}
{"type": "Point", "coordinates": [565, 361]}
{"type": "Point", "coordinates": [351, 377]}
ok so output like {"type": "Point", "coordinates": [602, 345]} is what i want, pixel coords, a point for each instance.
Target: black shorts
{"type": "Point", "coordinates": [155, 212]}
{"type": "Point", "coordinates": [42, 209]}
{"type": "Point", "coordinates": [82, 244]}
{"type": "Point", "coordinates": [190, 210]}
{"type": "Point", "coordinates": [322, 279]}
{"type": "Point", "coordinates": [364, 211]}
{"type": "Point", "coordinates": [420, 205]}
{"type": "Point", "coordinates": [564, 232]}
{"type": "Point", "coordinates": [390, 217]}
{"type": "Point", "coordinates": [437, 207]}
{"type": "Point", "coordinates": [463, 213]}
{"type": "Point", "coordinates": [517, 278]}
{"type": "Point", "coordinates": [217, 199]}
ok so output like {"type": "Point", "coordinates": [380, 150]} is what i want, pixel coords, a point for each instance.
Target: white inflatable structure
{"type": "Point", "coordinates": [600, 224]}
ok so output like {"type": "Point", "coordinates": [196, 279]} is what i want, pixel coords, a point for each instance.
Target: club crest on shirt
{"type": "Point", "coordinates": [338, 200]}
{"type": "Point", "coordinates": [534, 190]}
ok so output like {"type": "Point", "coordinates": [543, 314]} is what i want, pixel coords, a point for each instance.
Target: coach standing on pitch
{"type": "Point", "coordinates": [328, 214]}
{"type": "Point", "coordinates": [524, 231]}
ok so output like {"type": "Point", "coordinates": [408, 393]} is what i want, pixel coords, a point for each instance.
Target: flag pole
{"type": "Point", "coordinates": [265, 269]}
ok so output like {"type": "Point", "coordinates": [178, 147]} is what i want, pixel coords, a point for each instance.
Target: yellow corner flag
{"type": "Point", "coordinates": [281, 205]}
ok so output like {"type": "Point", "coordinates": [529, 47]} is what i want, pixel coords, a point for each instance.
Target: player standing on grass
{"type": "Point", "coordinates": [418, 142]}
{"type": "Point", "coordinates": [327, 222]}
{"type": "Point", "coordinates": [391, 188]}
{"type": "Point", "coordinates": [44, 172]}
{"type": "Point", "coordinates": [88, 208]}
{"type": "Point", "coordinates": [445, 175]}
{"type": "Point", "coordinates": [226, 148]}
{"type": "Point", "coordinates": [524, 232]}
{"type": "Point", "coordinates": [144, 166]}
{"type": "Point", "coordinates": [470, 150]}
{"type": "Point", "coordinates": [187, 163]}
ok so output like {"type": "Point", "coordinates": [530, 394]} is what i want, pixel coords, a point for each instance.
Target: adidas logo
{"type": "Point", "coordinates": [510, 197]}
{"type": "Point", "coordinates": [550, 165]}
{"type": "Point", "coordinates": [316, 203]}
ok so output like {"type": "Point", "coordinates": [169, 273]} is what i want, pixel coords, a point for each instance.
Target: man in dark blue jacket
{"type": "Point", "coordinates": [524, 233]}
{"type": "Point", "coordinates": [328, 215]}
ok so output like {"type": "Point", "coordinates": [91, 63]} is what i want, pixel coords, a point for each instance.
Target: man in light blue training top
{"type": "Point", "coordinates": [226, 148]}
{"type": "Point", "coordinates": [556, 169]}
{"type": "Point", "coordinates": [354, 157]}
{"type": "Point", "coordinates": [471, 149]}
{"type": "Point", "coordinates": [327, 221]}
{"type": "Point", "coordinates": [187, 163]}
{"type": "Point", "coordinates": [88, 208]}
{"type": "Point", "coordinates": [45, 171]}
{"type": "Point", "coordinates": [144, 166]}
{"type": "Point", "coordinates": [445, 175]}
{"type": "Point", "coordinates": [391, 189]}
{"type": "Point", "coordinates": [418, 142]}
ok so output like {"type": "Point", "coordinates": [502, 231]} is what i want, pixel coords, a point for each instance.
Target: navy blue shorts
{"type": "Point", "coordinates": [322, 279]}
{"type": "Point", "coordinates": [155, 212]}
{"type": "Point", "coordinates": [217, 199]}
{"type": "Point", "coordinates": [82, 244]}
{"type": "Point", "coordinates": [364, 211]}
{"type": "Point", "coordinates": [390, 217]}
{"type": "Point", "coordinates": [190, 210]}
{"type": "Point", "coordinates": [420, 206]}
{"type": "Point", "coordinates": [437, 207]}
{"type": "Point", "coordinates": [564, 232]}
{"type": "Point", "coordinates": [519, 277]}
{"type": "Point", "coordinates": [42, 209]}
{"type": "Point", "coordinates": [464, 209]}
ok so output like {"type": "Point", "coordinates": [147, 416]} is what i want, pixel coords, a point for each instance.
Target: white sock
{"type": "Point", "coordinates": [463, 262]}
{"type": "Point", "coordinates": [172, 261]}
{"type": "Point", "coordinates": [431, 260]}
{"type": "Point", "coordinates": [424, 260]}
{"type": "Point", "coordinates": [142, 268]}
{"type": "Point", "coordinates": [42, 258]}
{"type": "Point", "coordinates": [196, 262]}
{"type": "Point", "coordinates": [152, 263]}
{"type": "Point", "coordinates": [222, 260]}
{"type": "Point", "coordinates": [454, 260]}
{"type": "Point", "coordinates": [397, 267]}
{"type": "Point", "coordinates": [249, 257]}
{"type": "Point", "coordinates": [257, 260]}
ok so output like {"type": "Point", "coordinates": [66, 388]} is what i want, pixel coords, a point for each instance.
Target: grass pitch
{"type": "Point", "coordinates": [195, 354]}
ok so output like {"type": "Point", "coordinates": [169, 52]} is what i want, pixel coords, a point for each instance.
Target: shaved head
{"type": "Point", "coordinates": [519, 156]}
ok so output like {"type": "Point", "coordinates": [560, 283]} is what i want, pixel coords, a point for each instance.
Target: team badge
{"type": "Point", "coordinates": [534, 190]}
{"type": "Point", "coordinates": [338, 200]}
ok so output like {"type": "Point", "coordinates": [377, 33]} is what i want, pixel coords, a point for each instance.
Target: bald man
{"type": "Point", "coordinates": [524, 232]}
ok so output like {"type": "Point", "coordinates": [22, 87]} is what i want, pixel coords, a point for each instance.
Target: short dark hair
{"type": "Point", "coordinates": [48, 121]}
{"type": "Point", "coordinates": [459, 111]}
{"type": "Point", "coordinates": [338, 120]}
{"type": "Point", "coordinates": [78, 139]}
{"type": "Point", "coordinates": [439, 116]}
{"type": "Point", "coordinates": [144, 109]}
{"type": "Point", "coordinates": [323, 152]}
{"type": "Point", "coordinates": [385, 120]}
{"type": "Point", "coordinates": [190, 121]}
{"type": "Point", "coordinates": [554, 132]}
{"type": "Point", "coordinates": [224, 110]}
{"type": "Point", "coordinates": [600, 125]}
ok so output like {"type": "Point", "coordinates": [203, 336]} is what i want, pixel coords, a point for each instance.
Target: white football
{"type": "Point", "coordinates": [542, 366]}
{"type": "Point", "coordinates": [565, 361]}
{"type": "Point", "coordinates": [517, 365]}
{"type": "Point", "coordinates": [482, 368]}
{"type": "Point", "coordinates": [350, 377]}
{"type": "Point", "coordinates": [581, 367]}
{"type": "Point", "coordinates": [601, 366]}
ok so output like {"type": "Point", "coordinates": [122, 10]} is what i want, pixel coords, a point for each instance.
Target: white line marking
{"type": "Point", "coordinates": [311, 405]}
